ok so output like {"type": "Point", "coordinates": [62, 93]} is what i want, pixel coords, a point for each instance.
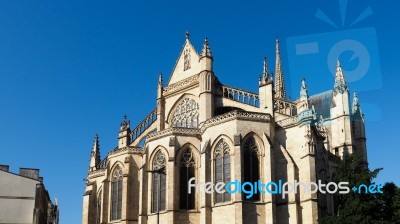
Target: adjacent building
{"type": "Point", "coordinates": [24, 198]}
{"type": "Point", "coordinates": [202, 130]}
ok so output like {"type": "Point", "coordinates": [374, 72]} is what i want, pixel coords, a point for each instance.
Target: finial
{"type": "Point", "coordinates": [96, 141]}
{"type": "Point", "coordinates": [125, 124]}
{"type": "Point", "coordinates": [340, 82]}
{"type": "Point", "coordinates": [206, 49]}
{"type": "Point", "coordinates": [355, 98]}
{"type": "Point", "coordinates": [265, 70]}
{"type": "Point", "coordinates": [160, 79]}
{"type": "Point", "coordinates": [187, 35]}
{"type": "Point", "coordinates": [356, 104]}
{"type": "Point", "coordinates": [303, 88]}
{"type": "Point", "coordinates": [95, 154]}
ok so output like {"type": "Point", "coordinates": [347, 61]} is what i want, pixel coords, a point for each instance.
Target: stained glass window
{"type": "Point", "coordinates": [251, 165]}
{"type": "Point", "coordinates": [186, 114]}
{"type": "Point", "coordinates": [222, 169]}
{"type": "Point", "coordinates": [116, 194]}
{"type": "Point", "coordinates": [159, 190]}
{"type": "Point", "coordinates": [187, 171]}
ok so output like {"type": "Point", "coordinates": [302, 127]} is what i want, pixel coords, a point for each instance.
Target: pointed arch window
{"type": "Point", "coordinates": [187, 171]}
{"type": "Point", "coordinates": [116, 193]}
{"type": "Point", "coordinates": [186, 114]}
{"type": "Point", "coordinates": [251, 165]}
{"type": "Point", "coordinates": [222, 166]}
{"type": "Point", "coordinates": [159, 183]}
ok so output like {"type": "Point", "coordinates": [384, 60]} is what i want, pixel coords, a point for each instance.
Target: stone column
{"type": "Point", "coordinates": [205, 171]}
{"type": "Point", "coordinates": [88, 203]}
{"type": "Point", "coordinates": [106, 201]}
{"type": "Point", "coordinates": [268, 176]}
{"type": "Point", "coordinates": [172, 203]}
{"type": "Point", "coordinates": [308, 201]}
{"type": "Point", "coordinates": [237, 174]}
{"type": "Point", "coordinates": [125, 191]}
{"type": "Point", "coordinates": [143, 200]}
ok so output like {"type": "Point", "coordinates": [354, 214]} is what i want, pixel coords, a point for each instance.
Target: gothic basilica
{"type": "Point", "coordinates": [203, 131]}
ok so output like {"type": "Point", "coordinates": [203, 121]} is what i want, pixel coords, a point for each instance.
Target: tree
{"type": "Point", "coordinates": [363, 208]}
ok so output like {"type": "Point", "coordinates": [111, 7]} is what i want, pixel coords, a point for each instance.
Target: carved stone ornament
{"type": "Point", "coordinates": [159, 161]}
{"type": "Point", "coordinates": [237, 139]}
{"type": "Point", "coordinates": [117, 175]}
{"type": "Point", "coordinates": [172, 141]}
{"type": "Point", "coordinates": [186, 58]}
{"type": "Point", "coordinates": [187, 158]}
{"type": "Point", "coordinates": [186, 114]}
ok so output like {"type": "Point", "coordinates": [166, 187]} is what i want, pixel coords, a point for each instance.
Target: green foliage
{"type": "Point", "coordinates": [396, 205]}
{"type": "Point", "coordinates": [363, 208]}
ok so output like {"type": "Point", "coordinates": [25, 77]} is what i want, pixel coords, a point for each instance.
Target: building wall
{"type": "Point", "coordinates": [24, 199]}
{"type": "Point", "coordinates": [17, 198]}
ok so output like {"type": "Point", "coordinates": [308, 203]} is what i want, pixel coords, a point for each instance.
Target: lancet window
{"type": "Point", "coordinates": [187, 172]}
{"type": "Point", "coordinates": [116, 193]}
{"type": "Point", "coordinates": [251, 165]}
{"type": "Point", "coordinates": [222, 166]}
{"type": "Point", "coordinates": [159, 182]}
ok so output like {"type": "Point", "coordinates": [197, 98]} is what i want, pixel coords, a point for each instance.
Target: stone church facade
{"type": "Point", "coordinates": [204, 131]}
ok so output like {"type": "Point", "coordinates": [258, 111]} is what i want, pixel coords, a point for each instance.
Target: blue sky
{"type": "Point", "coordinates": [71, 69]}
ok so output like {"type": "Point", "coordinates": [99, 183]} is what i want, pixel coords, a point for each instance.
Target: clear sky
{"type": "Point", "coordinates": [71, 69]}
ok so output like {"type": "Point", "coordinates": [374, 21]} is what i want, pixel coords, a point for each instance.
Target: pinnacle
{"type": "Point", "coordinates": [187, 35]}
{"type": "Point", "coordinates": [160, 80]}
{"type": "Point", "coordinates": [265, 70]}
{"type": "Point", "coordinates": [206, 51]}
{"type": "Point", "coordinates": [280, 91]}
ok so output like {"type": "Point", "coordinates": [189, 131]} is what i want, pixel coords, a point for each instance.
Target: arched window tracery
{"type": "Point", "coordinates": [187, 172]}
{"type": "Point", "coordinates": [116, 193]}
{"type": "Point", "coordinates": [186, 114]}
{"type": "Point", "coordinates": [159, 183]}
{"type": "Point", "coordinates": [222, 166]}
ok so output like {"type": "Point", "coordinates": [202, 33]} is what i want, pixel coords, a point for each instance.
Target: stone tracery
{"type": "Point", "coordinates": [186, 114]}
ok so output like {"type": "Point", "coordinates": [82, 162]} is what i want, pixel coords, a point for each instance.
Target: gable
{"type": "Point", "coordinates": [188, 63]}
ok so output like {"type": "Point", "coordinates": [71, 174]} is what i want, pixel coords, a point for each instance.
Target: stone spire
{"type": "Point", "coordinates": [356, 104]}
{"type": "Point", "coordinates": [95, 154]}
{"type": "Point", "coordinates": [265, 79]}
{"type": "Point", "coordinates": [160, 80]}
{"type": "Point", "coordinates": [280, 92]}
{"type": "Point", "coordinates": [302, 104]}
{"type": "Point", "coordinates": [303, 89]}
{"type": "Point", "coordinates": [206, 52]}
{"type": "Point", "coordinates": [340, 83]}
{"type": "Point", "coordinates": [265, 70]}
